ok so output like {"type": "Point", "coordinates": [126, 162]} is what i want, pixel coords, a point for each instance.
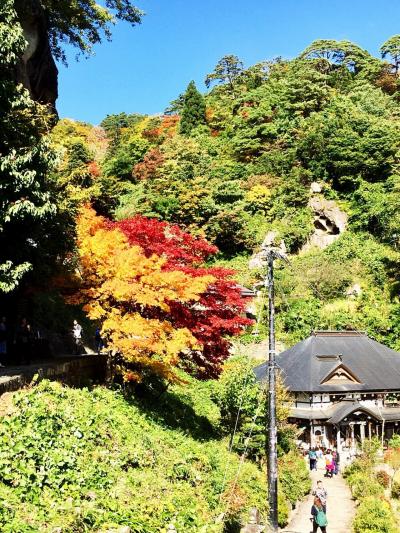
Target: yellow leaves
{"type": "Point", "coordinates": [259, 196]}
{"type": "Point", "coordinates": [131, 293]}
{"type": "Point", "coordinates": [149, 344]}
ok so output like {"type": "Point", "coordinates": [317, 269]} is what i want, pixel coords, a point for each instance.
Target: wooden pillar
{"type": "Point", "coordinates": [369, 429]}
{"type": "Point", "coordinates": [362, 433]}
{"type": "Point", "coordinates": [338, 443]}
{"type": "Point", "coordinates": [353, 440]}
{"type": "Point", "coordinates": [312, 439]}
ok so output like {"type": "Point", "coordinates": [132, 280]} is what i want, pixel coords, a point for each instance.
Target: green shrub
{"type": "Point", "coordinates": [362, 486]}
{"type": "Point", "coordinates": [294, 477]}
{"type": "Point", "coordinates": [395, 490]}
{"type": "Point", "coordinates": [358, 465]}
{"type": "Point", "coordinates": [353, 468]}
{"type": "Point", "coordinates": [383, 478]}
{"type": "Point", "coordinates": [283, 509]}
{"type": "Point", "coordinates": [394, 442]}
{"type": "Point", "coordinates": [371, 448]}
{"type": "Point", "coordinates": [374, 515]}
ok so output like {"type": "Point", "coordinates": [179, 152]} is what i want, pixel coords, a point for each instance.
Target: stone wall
{"type": "Point", "coordinates": [75, 371]}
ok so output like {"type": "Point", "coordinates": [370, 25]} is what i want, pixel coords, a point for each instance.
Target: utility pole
{"type": "Point", "coordinates": [271, 423]}
{"type": "Point", "coordinates": [270, 253]}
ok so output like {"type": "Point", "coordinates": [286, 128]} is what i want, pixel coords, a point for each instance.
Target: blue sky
{"type": "Point", "coordinates": [147, 66]}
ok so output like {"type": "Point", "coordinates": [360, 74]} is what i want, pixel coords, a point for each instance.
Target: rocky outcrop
{"type": "Point", "coordinates": [329, 220]}
{"type": "Point", "coordinates": [37, 70]}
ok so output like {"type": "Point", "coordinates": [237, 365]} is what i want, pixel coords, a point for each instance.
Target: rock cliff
{"type": "Point", "coordinates": [329, 220]}
{"type": "Point", "coordinates": [37, 70]}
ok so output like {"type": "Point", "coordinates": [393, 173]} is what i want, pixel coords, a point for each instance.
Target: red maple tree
{"type": "Point", "coordinates": [219, 313]}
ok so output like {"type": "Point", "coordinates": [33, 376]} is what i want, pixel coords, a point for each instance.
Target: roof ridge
{"type": "Point", "coordinates": [338, 333]}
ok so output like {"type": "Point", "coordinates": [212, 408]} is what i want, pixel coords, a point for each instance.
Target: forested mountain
{"type": "Point", "coordinates": [145, 225]}
{"type": "Point", "coordinates": [302, 148]}
{"type": "Point", "coordinates": [306, 150]}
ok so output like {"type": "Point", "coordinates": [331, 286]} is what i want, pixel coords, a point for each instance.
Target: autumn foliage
{"type": "Point", "coordinates": [220, 309]}
{"type": "Point", "coordinates": [149, 167]}
{"type": "Point", "coordinates": [159, 307]}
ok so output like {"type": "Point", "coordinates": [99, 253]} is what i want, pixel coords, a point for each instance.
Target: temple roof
{"type": "Point", "coordinates": [337, 361]}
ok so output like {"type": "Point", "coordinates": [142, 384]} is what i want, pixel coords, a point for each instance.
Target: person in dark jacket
{"type": "Point", "coordinates": [23, 341]}
{"type": "Point", "coordinates": [336, 460]}
{"type": "Point", "coordinates": [318, 516]}
{"type": "Point", "coordinates": [98, 341]}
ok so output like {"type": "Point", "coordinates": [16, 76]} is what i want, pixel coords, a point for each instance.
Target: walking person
{"type": "Point", "coordinates": [77, 336]}
{"type": "Point", "coordinates": [98, 341]}
{"type": "Point", "coordinates": [321, 493]}
{"type": "Point", "coordinates": [329, 464]}
{"type": "Point", "coordinates": [318, 516]}
{"type": "Point", "coordinates": [320, 457]}
{"type": "Point", "coordinates": [312, 456]}
{"type": "Point", "coordinates": [336, 461]}
{"type": "Point", "coordinates": [23, 342]}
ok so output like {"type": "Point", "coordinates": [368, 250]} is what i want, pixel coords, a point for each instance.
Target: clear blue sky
{"type": "Point", "coordinates": [147, 66]}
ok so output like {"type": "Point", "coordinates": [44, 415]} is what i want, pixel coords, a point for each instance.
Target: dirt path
{"type": "Point", "coordinates": [340, 507]}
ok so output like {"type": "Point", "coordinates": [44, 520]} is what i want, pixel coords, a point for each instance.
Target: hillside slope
{"type": "Point", "coordinates": [307, 149]}
{"type": "Point", "coordinates": [92, 460]}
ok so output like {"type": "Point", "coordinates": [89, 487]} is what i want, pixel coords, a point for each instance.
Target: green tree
{"type": "Point", "coordinates": [26, 200]}
{"type": "Point", "coordinates": [227, 71]}
{"type": "Point", "coordinates": [82, 23]}
{"type": "Point", "coordinates": [337, 53]}
{"type": "Point", "coordinates": [391, 48]}
{"type": "Point", "coordinates": [193, 111]}
{"type": "Point", "coordinates": [175, 106]}
{"type": "Point", "coordinates": [115, 124]}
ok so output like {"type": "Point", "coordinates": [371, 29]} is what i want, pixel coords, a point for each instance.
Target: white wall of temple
{"type": "Point", "coordinates": [370, 403]}
{"type": "Point", "coordinates": [305, 400]}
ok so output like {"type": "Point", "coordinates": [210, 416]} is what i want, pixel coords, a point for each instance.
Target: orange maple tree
{"type": "Point", "coordinates": [126, 290]}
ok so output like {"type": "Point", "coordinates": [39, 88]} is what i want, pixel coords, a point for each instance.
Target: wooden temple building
{"type": "Point", "coordinates": [345, 388]}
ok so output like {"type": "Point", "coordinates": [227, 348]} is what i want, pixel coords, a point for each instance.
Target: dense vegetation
{"type": "Point", "coordinates": [239, 162]}
{"type": "Point", "coordinates": [93, 460]}
{"type": "Point", "coordinates": [177, 198]}
{"type": "Point", "coordinates": [375, 512]}
{"type": "Point", "coordinates": [230, 166]}
{"type": "Point", "coordinates": [27, 210]}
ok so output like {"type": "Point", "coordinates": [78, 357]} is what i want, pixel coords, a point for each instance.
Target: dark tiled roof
{"type": "Point", "coordinates": [305, 366]}
{"type": "Point", "coordinates": [344, 409]}
{"type": "Point", "coordinates": [309, 414]}
{"type": "Point", "coordinates": [391, 413]}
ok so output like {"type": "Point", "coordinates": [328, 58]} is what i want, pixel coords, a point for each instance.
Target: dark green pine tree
{"type": "Point", "coordinates": [194, 109]}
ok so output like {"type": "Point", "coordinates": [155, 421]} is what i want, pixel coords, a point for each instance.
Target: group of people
{"type": "Point", "coordinates": [330, 458]}
{"type": "Point", "coordinates": [77, 335]}
{"type": "Point", "coordinates": [18, 340]}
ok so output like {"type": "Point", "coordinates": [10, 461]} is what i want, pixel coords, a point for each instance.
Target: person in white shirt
{"type": "Point", "coordinates": [321, 493]}
{"type": "Point", "coordinates": [77, 336]}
